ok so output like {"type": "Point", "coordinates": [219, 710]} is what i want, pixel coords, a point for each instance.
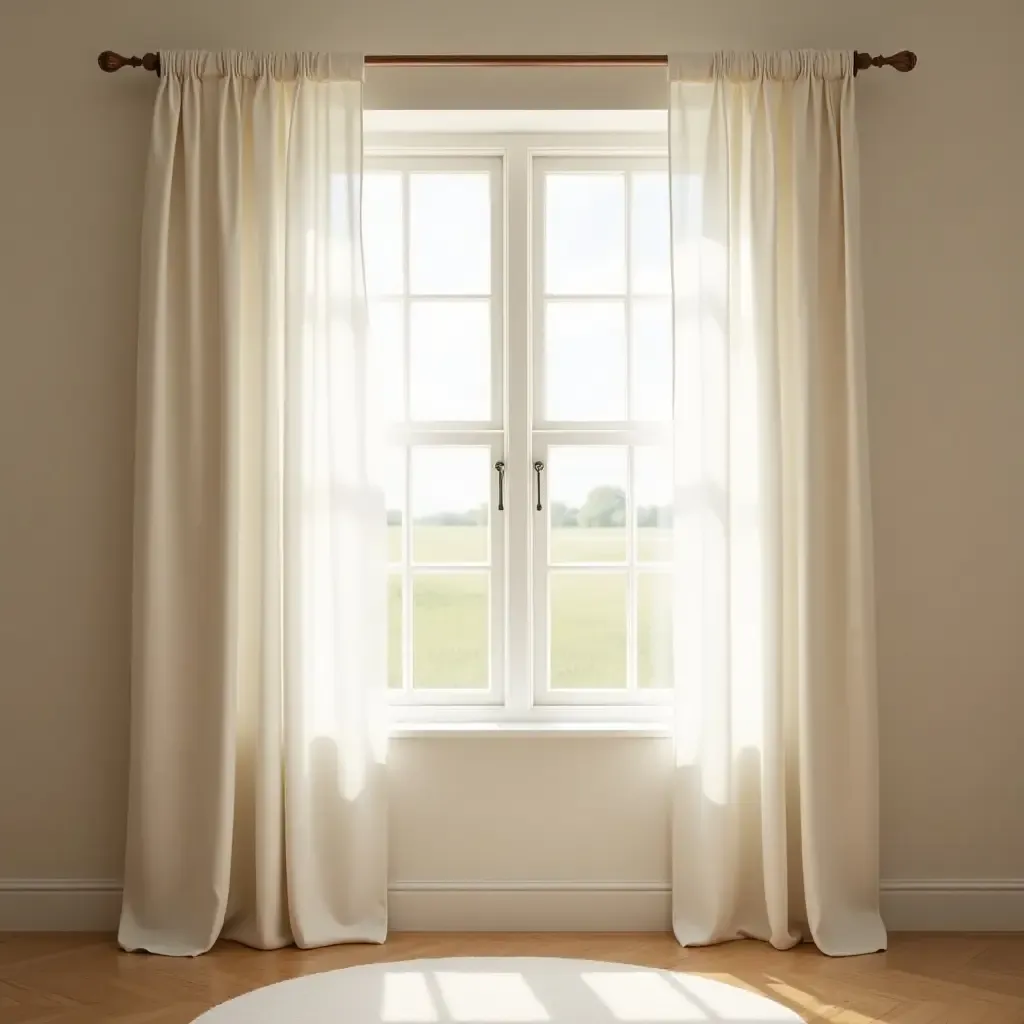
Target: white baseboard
{"type": "Point", "coordinates": [529, 906]}
{"type": "Point", "coordinates": [59, 905]}
{"type": "Point", "coordinates": [957, 905]}
{"type": "Point", "coordinates": [939, 905]}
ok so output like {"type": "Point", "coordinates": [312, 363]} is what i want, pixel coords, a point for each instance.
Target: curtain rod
{"type": "Point", "coordinates": [904, 61]}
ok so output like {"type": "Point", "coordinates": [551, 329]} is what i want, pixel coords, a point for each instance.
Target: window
{"type": "Point", "coordinates": [434, 255]}
{"type": "Point", "coordinates": [602, 358]}
{"type": "Point", "coordinates": [520, 298]}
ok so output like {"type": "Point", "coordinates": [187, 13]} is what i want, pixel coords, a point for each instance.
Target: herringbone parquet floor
{"type": "Point", "coordinates": [923, 979]}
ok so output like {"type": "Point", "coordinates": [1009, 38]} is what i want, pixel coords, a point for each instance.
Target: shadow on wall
{"type": "Point", "coordinates": [343, 851]}
{"type": "Point", "coordinates": [727, 807]}
{"type": "Point", "coordinates": [308, 855]}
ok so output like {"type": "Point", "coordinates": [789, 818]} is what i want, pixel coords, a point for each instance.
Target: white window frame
{"type": "Point", "coordinates": [518, 697]}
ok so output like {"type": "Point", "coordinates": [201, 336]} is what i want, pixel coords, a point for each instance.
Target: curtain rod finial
{"type": "Point", "coordinates": [905, 60]}
{"type": "Point", "coordinates": [110, 61]}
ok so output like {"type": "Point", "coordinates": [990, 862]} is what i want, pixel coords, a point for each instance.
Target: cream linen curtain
{"type": "Point", "coordinates": [775, 819]}
{"type": "Point", "coordinates": [257, 804]}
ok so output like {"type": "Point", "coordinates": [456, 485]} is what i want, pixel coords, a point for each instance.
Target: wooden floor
{"type": "Point", "coordinates": [925, 979]}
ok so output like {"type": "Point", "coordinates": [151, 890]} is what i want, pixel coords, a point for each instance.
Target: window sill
{"type": "Point", "coordinates": [508, 730]}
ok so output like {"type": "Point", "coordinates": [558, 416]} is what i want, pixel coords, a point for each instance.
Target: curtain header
{"type": "Point", "coordinates": [323, 67]}
{"type": "Point", "coordinates": [781, 66]}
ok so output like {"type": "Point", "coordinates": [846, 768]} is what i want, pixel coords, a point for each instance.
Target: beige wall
{"type": "Point", "coordinates": [943, 216]}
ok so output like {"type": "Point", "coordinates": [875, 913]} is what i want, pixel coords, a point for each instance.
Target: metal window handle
{"type": "Point", "coordinates": [538, 468]}
{"type": "Point", "coordinates": [500, 467]}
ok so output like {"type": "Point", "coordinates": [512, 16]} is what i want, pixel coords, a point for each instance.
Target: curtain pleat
{"type": "Point", "coordinates": [775, 821]}
{"type": "Point", "coordinates": [257, 807]}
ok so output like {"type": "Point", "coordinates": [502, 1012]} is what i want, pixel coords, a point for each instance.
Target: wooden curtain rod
{"type": "Point", "coordinates": [904, 61]}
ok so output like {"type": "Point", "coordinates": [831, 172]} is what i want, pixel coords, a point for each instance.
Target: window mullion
{"type": "Point", "coordinates": [407, 574]}
{"type": "Point", "coordinates": [627, 229]}
{"type": "Point", "coordinates": [631, 415]}
{"type": "Point", "coordinates": [499, 562]}
{"type": "Point", "coordinates": [407, 602]}
{"type": "Point", "coordinates": [631, 560]}
{"type": "Point", "coordinates": [519, 677]}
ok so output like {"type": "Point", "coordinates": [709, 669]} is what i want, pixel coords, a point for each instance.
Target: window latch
{"type": "Point", "coordinates": [538, 468]}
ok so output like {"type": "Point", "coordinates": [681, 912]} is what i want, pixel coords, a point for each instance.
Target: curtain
{"type": "Point", "coordinates": [775, 832]}
{"type": "Point", "coordinates": [257, 804]}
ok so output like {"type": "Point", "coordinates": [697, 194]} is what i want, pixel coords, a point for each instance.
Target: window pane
{"type": "Point", "coordinates": [585, 234]}
{"type": "Point", "coordinates": [586, 498]}
{"type": "Point", "coordinates": [450, 356]}
{"type": "Point", "coordinates": [394, 500]}
{"type": "Point", "coordinates": [382, 232]}
{"type": "Point", "coordinates": [652, 360]}
{"type": "Point", "coordinates": [649, 223]}
{"type": "Point", "coordinates": [450, 631]}
{"type": "Point", "coordinates": [395, 631]}
{"type": "Point", "coordinates": [585, 361]}
{"type": "Point", "coordinates": [451, 490]}
{"type": "Point", "coordinates": [654, 629]}
{"type": "Point", "coordinates": [588, 631]}
{"type": "Point", "coordinates": [387, 359]}
{"type": "Point", "coordinates": [652, 480]}
{"type": "Point", "coordinates": [450, 229]}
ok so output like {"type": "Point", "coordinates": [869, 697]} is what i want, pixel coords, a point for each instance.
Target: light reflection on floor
{"type": "Point", "coordinates": [498, 990]}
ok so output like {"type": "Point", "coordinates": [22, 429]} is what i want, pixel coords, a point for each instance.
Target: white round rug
{"type": "Point", "coordinates": [499, 990]}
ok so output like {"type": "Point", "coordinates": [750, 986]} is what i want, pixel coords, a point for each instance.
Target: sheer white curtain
{"type": "Point", "coordinates": [257, 805]}
{"type": "Point", "coordinates": [775, 830]}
